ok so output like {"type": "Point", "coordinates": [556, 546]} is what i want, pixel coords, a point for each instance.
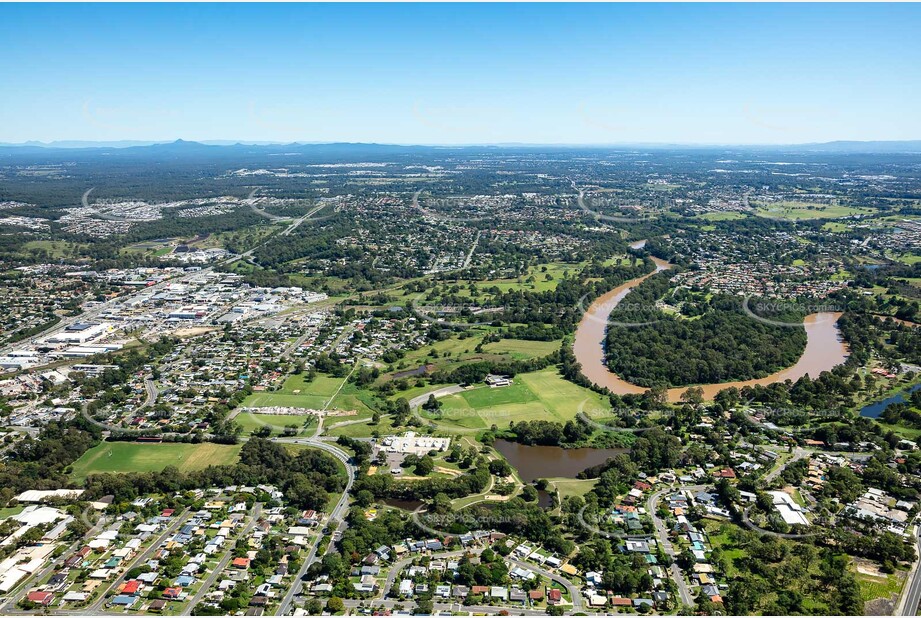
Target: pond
{"type": "Point", "coordinates": [541, 462]}
{"type": "Point", "coordinates": [406, 505]}
{"type": "Point", "coordinates": [874, 410]}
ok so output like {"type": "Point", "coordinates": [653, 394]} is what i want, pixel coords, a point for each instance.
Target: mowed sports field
{"type": "Point", "coordinates": [297, 393]}
{"type": "Point", "coordinates": [137, 457]}
{"type": "Point", "coordinates": [276, 422]}
{"type": "Point", "coordinates": [539, 395]}
{"type": "Point", "coordinates": [807, 210]}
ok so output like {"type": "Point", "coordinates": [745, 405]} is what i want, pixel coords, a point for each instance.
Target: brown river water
{"type": "Point", "coordinates": [824, 347]}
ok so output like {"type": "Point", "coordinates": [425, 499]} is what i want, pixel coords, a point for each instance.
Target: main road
{"type": "Point", "coordinates": [98, 310]}
{"type": "Point", "coordinates": [911, 598]}
{"type": "Point", "coordinates": [337, 515]}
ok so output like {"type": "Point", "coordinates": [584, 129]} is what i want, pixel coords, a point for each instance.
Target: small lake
{"type": "Point", "coordinates": [544, 499]}
{"type": "Point", "coordinates": [406, 505]}
{"type": "Point", "coordinates": [874, 410]}
{"type": "Point", "coordinates": [541, 462]}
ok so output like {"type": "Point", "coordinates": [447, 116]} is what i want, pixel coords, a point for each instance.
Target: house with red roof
{"type": "Point", "coordinates": [41, 597]}
{"type": "Point", "coordinates": [130, 587]}
{"type": "Point", "coordinates": [240, 563]}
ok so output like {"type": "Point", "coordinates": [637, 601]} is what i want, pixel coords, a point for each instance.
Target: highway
{"type": "Point", "coordinates": [98, 310]}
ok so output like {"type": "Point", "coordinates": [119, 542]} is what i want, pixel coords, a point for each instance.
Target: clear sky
{"type": "Point", "coordinates": [476, 73]}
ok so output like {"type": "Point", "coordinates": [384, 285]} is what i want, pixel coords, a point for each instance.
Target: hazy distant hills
{"type": "Point", "coordinates": [227, 149]}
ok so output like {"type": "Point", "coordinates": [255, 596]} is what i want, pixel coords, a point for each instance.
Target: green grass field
{"type": "Point", "coordinates": [10, 511]}
{"type": "Point", "coordinates": [909, 433]}
{"type": "Point", "coordinates": [535, 280]}
{"type": "Point", "coordinates": [722, 216]}
{"type": "Point", "coordinates": [520, 349]}
{"type": "Point", "coordinates": [55, 248]}
{"type": "Point", "coordinates": [451, 353]}
{"type": "Point", "coordinates": [719, 538]}
{"type": "Point", "coordinates": [297, 393]}
{"type": "Point", "coordinates": [448, 348]}
{"type": "Point", "coordinates": [364, 429]}
{"type": "Point", "coordinates": [351, 397]}
{"type": "Point", "coordinates": [136, 457]}
{"type": "Point", "coordinates": [882, 587]}
{"type": "Point", "coordinates": [250, 422]}
{"type": "Point", "coordinates": [909, 258]}
{"type": "Point", "coordinates": [807, 210]}
{"type": "Point", "coordinates": [573, 487]}
{"type": "Point", "coordinates": [539, 395]}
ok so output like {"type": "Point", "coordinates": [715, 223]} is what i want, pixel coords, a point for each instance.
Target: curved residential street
{"type": "Point", "coordinates": [652, 505]}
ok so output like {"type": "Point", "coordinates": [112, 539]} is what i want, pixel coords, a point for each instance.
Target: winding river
{"type": "Point", "coordinates": [824, 347]}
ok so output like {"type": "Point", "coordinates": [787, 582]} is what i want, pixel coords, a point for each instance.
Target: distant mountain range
{"type": "Point", "coordinates": [228, 148]}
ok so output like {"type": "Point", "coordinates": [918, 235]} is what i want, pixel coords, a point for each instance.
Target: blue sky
{"type": "Point", "coordinates": [476, 73]}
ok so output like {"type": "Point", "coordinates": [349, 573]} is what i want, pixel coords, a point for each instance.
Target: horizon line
{"type": "Point", "coordinates": [128, 143]}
